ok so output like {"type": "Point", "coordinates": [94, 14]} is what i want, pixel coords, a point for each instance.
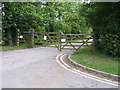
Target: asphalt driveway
{"type": "Point", "coordinates": [37, 68]}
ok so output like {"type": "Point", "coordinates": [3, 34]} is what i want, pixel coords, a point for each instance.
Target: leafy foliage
{"type": "Point", "coordinates": [49, 16]}
{"type": "Point", "coordinates": [105, 21]}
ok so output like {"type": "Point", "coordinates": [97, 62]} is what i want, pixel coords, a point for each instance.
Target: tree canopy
{"type": "Point", "coordinates": [105, 21]}
{"type": "Point", "coordinates": [50, 16]}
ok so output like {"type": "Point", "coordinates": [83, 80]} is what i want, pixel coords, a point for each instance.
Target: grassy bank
{"type": "Point", "coordinates": [97, 60]}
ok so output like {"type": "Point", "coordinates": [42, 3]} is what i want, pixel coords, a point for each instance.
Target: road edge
{"type": "Point", "coordinates": [60, 61]}
{"type": "Point", "coordinates": [93, 70]}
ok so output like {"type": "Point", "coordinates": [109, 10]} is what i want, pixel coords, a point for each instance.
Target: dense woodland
{"type": "Point", "coordinates": [101, 19]}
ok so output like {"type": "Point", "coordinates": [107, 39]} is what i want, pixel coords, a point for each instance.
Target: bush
{"type": "Point", "coordinates": [104, 19]}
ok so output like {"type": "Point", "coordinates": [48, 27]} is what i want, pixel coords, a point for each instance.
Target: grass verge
{"type": "Point", "coordinates": [97, 60]}
{"type": "Point", "coordinates": [12, 47]}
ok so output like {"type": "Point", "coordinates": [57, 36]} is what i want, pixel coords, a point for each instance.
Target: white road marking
{"type": "Point", "coordinates": [87, 73]}
{"type": "Point", "coordinates": [66, 66]}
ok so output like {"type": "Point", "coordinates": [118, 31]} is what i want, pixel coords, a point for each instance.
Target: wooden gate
{"type": "Point", "coordinates": [58, 39]}
{"type": "Point", "coordinates": [46, 38]}
{"type": "Point", "coordinates": [74, 41]}
{"type": "Point", "coordinates": [32, 38]}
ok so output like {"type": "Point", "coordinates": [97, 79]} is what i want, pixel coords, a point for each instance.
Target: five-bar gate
{"type": "Point", "coordinates": [74, 41]}
{"type": "Point", "coordinates": [56, 39]}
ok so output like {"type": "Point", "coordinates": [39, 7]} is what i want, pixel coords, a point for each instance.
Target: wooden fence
{"type": "Point", "coordinates": [74, 41]}
{"type": "Point", "coordinates": [58, 39]}
{"type": "Point", "coordinates": [32, 38]}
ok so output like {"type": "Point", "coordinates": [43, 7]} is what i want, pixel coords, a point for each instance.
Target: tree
{"type": "Point", "coordinates": [18, 15]}
{"type": "Point", "coordinates": [49, 16]}
{"type": "Point", "coordinates": [104, 19]}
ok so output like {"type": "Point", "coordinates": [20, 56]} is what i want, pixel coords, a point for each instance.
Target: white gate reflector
{"type": "Point", "coordinates": [20, 36]}
{"type": "Point", "coordinates": [63, 40]}
{"type": "Point", "coordinates": [45, 37]}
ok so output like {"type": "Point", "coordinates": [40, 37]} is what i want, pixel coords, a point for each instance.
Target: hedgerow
{"type": "Point", "coordinates": [105, 21]}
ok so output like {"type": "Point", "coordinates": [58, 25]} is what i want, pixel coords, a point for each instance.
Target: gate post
{"type": "Point", "coordinates": [17, 41]}
{"type": "Point", "coordinates": [31, 38]}
{"type": "Point", "coordinates": [60, 36]}
{"type": "Point", "coordinates": [45, 41]}
{"type": "Point", "coordinates": [58, 40]}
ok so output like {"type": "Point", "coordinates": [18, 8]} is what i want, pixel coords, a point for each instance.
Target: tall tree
{"type": "Point", "coordinates": [105, 21]}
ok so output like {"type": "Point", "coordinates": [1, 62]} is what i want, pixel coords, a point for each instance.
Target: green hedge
{"type": "Point", "coordinates": [105, 21]}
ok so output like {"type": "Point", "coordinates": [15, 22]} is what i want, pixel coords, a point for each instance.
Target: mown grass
{"type": "Point", "coordinates": [97, 60]}
{"type": "Point", "coordinates": [12, 47]}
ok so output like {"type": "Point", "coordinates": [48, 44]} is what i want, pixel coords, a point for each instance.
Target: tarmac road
{"type": "Point", "coordinates": [38, 68]}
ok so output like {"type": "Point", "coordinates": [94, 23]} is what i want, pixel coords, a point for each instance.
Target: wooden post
{"type": "Point", "coordinates": [31, 38]}
{"type": "Point", "coordinates": [60, 36]}
{"type": "Point", "coordinates": [58, 40]}
{"type": "Point", "coordinates": [45, 41]}
{"type": "Point", "coordinates": [17, 41]}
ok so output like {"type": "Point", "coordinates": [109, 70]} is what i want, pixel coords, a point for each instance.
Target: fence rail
{"type": "Point", "coordinates": [74, 41]}
{"type": "Point", "coordinates": [59, 39]}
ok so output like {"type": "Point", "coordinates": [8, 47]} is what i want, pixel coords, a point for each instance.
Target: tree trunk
{"type": "Point", "coordinates": [10, 43]}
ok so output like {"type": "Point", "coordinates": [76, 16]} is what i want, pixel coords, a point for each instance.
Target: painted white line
{"type": "Point", "coordinates": [66, 66]}
{"type": "Point", "coordinates": [97, 77]}
{"type": "Point", "coordinates": [61, 58]}
{"type": "Point", "coordinates": [88, 75]}
{"type": "Point", "coordinates": [84, 72]}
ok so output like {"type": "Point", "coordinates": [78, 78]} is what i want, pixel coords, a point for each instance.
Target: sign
{"type": "Point", "coordinates": [63, 40]}
{"type": "Point", "coordinates": [45, 37]}
{"type": "Point", "coordinates": [20, 36]}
